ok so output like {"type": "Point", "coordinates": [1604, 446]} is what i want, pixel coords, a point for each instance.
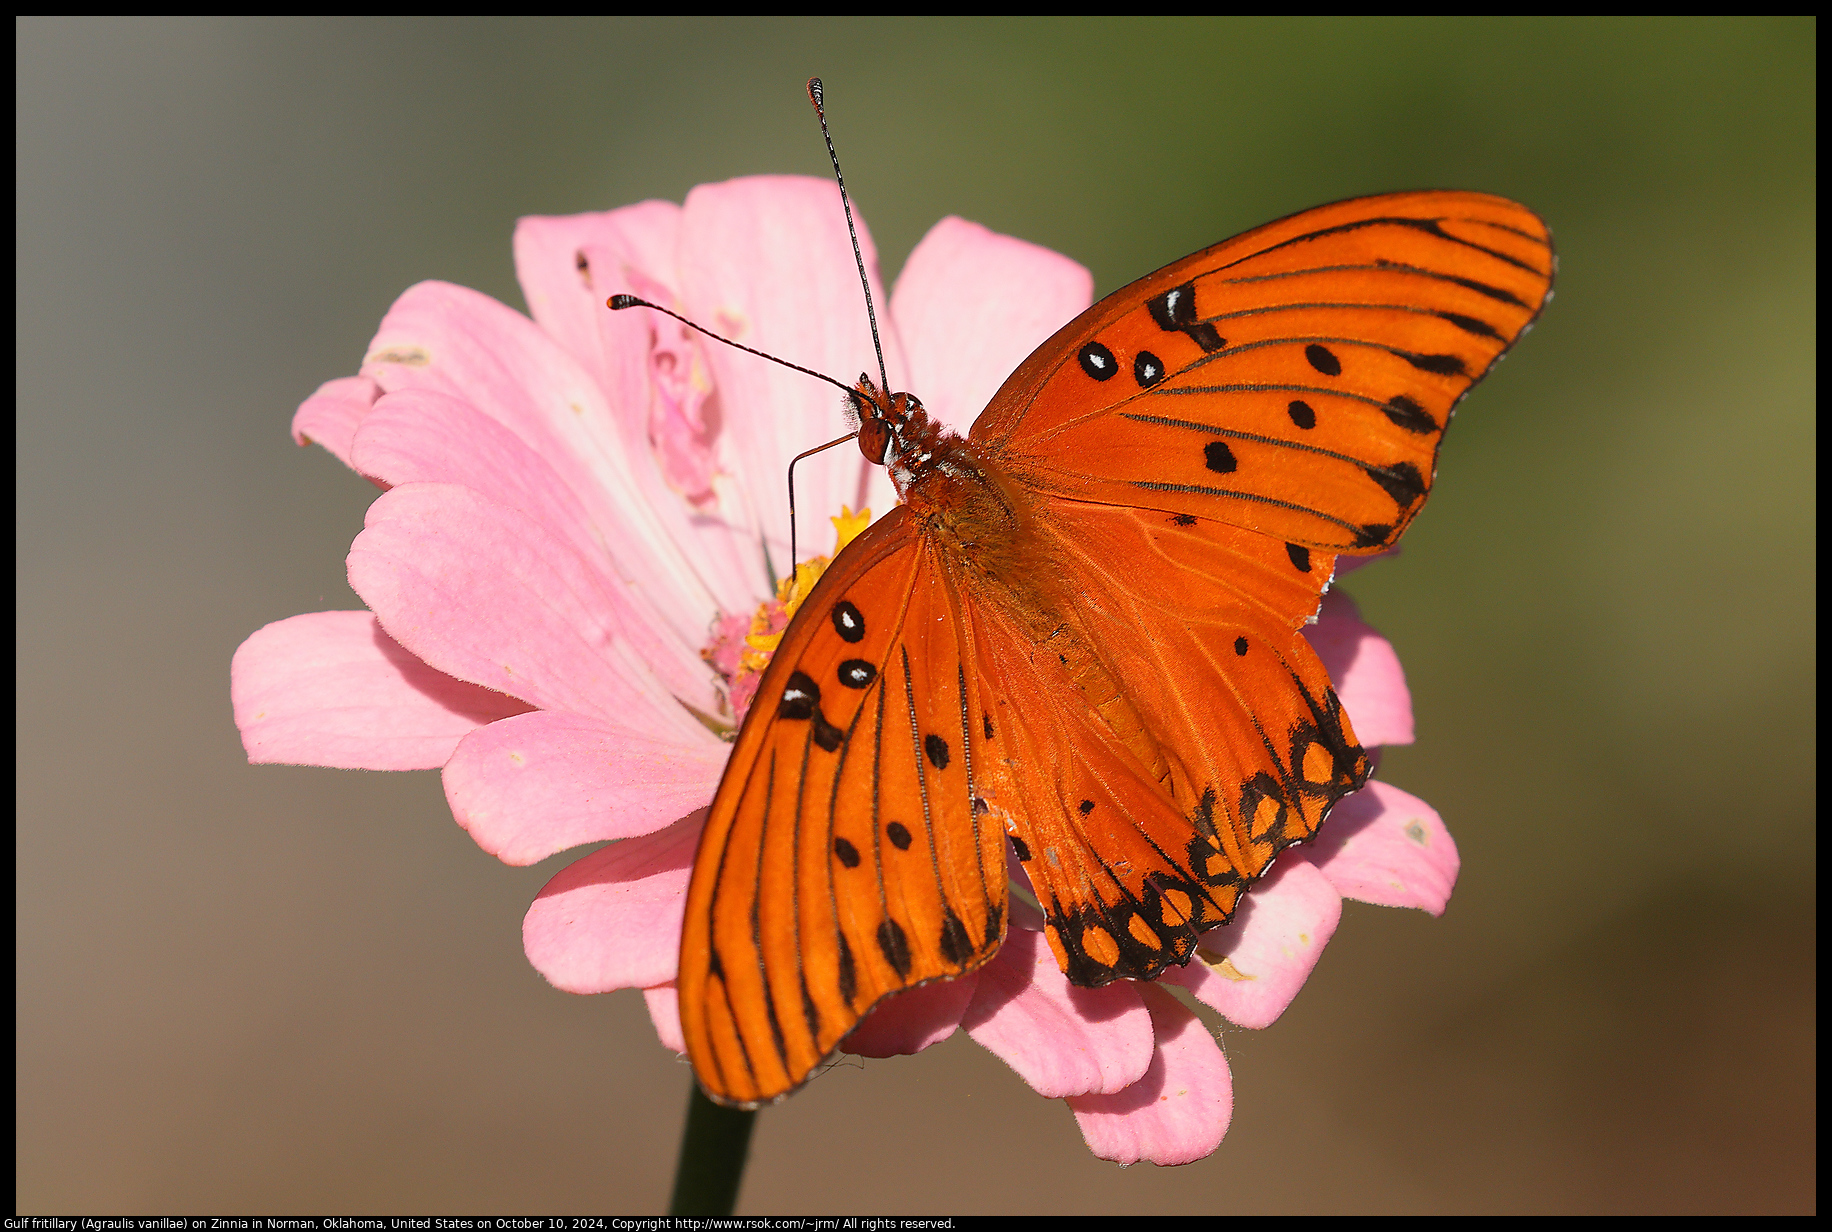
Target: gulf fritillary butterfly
{"type": "Point", "coordinates": [1078, 634]}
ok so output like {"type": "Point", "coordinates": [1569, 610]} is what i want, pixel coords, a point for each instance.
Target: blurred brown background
{"type": "Point", "coordinates": [296, 990]}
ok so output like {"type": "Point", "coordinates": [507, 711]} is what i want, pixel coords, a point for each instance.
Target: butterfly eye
{"type": "Point", "coordinates": [874, 439]}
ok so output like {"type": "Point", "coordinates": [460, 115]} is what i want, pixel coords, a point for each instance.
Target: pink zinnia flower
{"type": "Point", "coordinates": [579, 518]}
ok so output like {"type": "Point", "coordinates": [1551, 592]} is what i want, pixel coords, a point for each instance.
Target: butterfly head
{"type": "Point", "coordinates": [894, 430]}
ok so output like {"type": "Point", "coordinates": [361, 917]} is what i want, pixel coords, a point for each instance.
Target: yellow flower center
{"type": "Point", "coordinates": [773, 617]}
{"type": "Point", "coordinates": [770, 621]}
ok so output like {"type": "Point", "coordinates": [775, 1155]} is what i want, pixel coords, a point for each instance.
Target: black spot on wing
{"type": "Point", "coordinates": [847, 853]}
{"type": "Point", "coordinates": [857, 673]}
{"type": "Point", "coordinates": [899, 834]}
{"type": "Point", "coordinates": [1085, 807]}
{"type": "Point", "coordinates": [1407, 414]}
{"type": "Point", "coordinates": [936, 749]}
{"type": "Point", "coordinates": [1147, 369]}
{"type": "Point", "coordinates": [826, 734]}
{"type": "Point", "coordinates": [1185, 519]}
{"type": "Point", "coordinates": [1443, 365]}
{"type": "Point", "coordinates": [1098, 362]}
{"type": "Point", "coordinates": [895, 947]}
{"type": "Point", "coordinates": [800, 697]}
{"type": "Point", "coordinates": [956, 945]}
{"type": "Point", "coordinates": [1175, 312]}
{"type": "Point", "coordinates": [1470, 325]}
{"type": "Point", "coordinates": [1401, 481]}
{"type": "Point", "coordinates": [1018, 846]}
{"type": "Point", "coordinates": [1300, 557]}
{"type": "Point", "coordinates": [1218, 457]}
{"type": "Point", "coordinates": [986, 723]}
{"type": "Point", "coordinates": [1302, 414]}
{"type": "Point", "coordinates": [1175, 308]}
{"type": "Point", "coordinates": [1323, 360]}
{"type": "Point", "coordinates": [847, 621]}
{"type": "Point", "coordinates": [1240, 646]}
{"type": "Point", "coordinates": [849, 974]}
{"type": "Point", "coordinates": [811, 1013]}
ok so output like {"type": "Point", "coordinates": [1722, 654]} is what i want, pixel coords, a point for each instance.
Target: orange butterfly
{"type": "Point", "coordinates": [1078, 635]}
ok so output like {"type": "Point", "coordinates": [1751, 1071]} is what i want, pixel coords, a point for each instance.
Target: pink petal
{"type": "Point", "coordinates": [331, 416]}
{"type": "Point", "coordinates": [561, 280]}
{"type": "Point", "coordinates": [1365, 669]}
{"type": "Point", "coordinates": [1061, 1039]}
{"type": "Point", "coordinates": [332, 689]}
{"type": "Point", "coordinates": [664, 1002]}
{"type": "Point", "coordinates": [1251, 967]}
{"type": "Point", "coordinates": [671, 415]}
{"type": "Point", "coordinates": [531, 786]}
{"type": "Point", "coordinates": [451, 340]}
{"type": "Point", "coordinates": [422, 437]}
{"type": "Point", "coordinates": [647, 365]}
{"type": "Point", "coordinates": [488, 595]}
{"type": "Point", "coordinates": [971, 305]}
{"type": "Point", "coordinates": [654, 373]}
{"type": "Point", "coordinates": [1179, 1111]}
{"type": "Point", "coordinates": [766, 262]}
{"type": "Point", "coordinates": [912, 1020]}
{"type": "Point", "coordinates": [1388, 847]}
{"type": "Point", "coordinates": [613, 919]}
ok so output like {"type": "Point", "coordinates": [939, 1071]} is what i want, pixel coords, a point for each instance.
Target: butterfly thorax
{"type": "Point", "coordinates": [983, 522]}
{"type": "Point", "coordinates": [967, 505]}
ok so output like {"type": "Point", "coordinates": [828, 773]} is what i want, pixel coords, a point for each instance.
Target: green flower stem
{"type": "Point", "coordinates": [713, 1149]}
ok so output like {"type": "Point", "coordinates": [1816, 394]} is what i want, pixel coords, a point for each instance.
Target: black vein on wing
{"type": "Point", "coordinates": [1499, 294]}
{"type": "Point", "coordinates": [1468, 324]}
{"type": "Point", "coordinates": [1170, 677]}
{"type": "Point", "coordinates": [1411, 357]}
{"type": "Point", "coordinates": [763, 974]}
{"type": "Point", "coordinates": [973, 814]}
{"type": "Point", "coordinates": [1235, 434]}
{"type": "Point", "coordinates": [809, 1013]}
{"type": "Point", "coordinates": [922, 787]}
{"type": "Point", "coordinates": [1198, 489]}
{"type": "Point", "coordinates": [1429, 226]}
{"type": "Point", "coordinates": [877, 803]}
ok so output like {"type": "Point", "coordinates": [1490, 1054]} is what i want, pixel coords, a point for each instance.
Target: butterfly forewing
{"type": "Point", "coordinates": [1296, 380]}
{"type": "Point", "coordinates": [843, 859]}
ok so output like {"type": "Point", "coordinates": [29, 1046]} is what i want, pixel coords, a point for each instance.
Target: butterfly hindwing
{"type": "Point", "coordinates": [1181, 734]}
{"type": "Point", "coordinates": [843, 859]}
{"type": "Point", "coordinates": [1295, 380]}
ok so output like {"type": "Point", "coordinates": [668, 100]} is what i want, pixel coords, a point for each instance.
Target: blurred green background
{"type": "Point", "coordinates": [297, 990]}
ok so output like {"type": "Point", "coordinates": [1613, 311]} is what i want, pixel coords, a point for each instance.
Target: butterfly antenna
{"type": "Point", "coordinates": [617, 303]}
{"type": "Point", "coordinates": [817, 97]}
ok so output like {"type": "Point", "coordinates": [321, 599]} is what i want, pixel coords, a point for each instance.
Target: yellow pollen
{"type": "Point", "coordinates": [761, 642]}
